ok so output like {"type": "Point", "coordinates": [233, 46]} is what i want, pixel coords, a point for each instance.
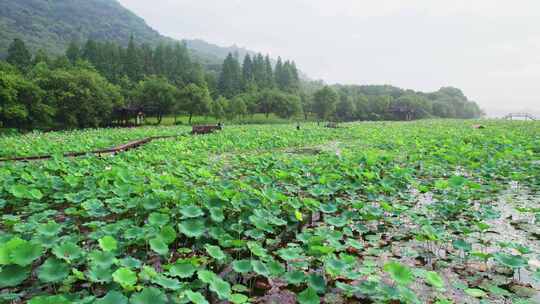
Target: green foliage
{"type": "Point", "coordinates": [324, 103]}
{"type": "Point", "coordinates": [53, 271]}
{"type": "Point", "coordinates": [125, 277]}
{"type": "Point", "coordinates": [401, 274]}
{"type": "Point", "coordinates": [156, 93]}
{"type": "Point", "coordinates": [316, 212]}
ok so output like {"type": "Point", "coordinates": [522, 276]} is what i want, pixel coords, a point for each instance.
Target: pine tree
{"type": "Point", "coordinates": [19, 55]}
{"type": "Point", "coordinates": [268, 73]}
{"type": "Point", "coordinates": [247, 71]}
{"type": "Point", "coordinates": [41, 56]}
{"type": "Point", "coordinates": [278, 74]}
{"type": "Point", "coordinates": [258, 71]}
{"type": "Point", "coordinates": [131, 61]}
{"type": "Point", "coordinates": [230, 80]}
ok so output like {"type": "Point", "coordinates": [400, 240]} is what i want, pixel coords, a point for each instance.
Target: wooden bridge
{"type": "Point", "coordinates": [525, 116]}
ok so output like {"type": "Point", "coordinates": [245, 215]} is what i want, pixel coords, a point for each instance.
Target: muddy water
{"type": "Point", "coordinates": [518, 227]}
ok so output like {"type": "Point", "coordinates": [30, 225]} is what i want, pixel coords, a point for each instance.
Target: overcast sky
{"type": "Point", "coordinates": [488, 48]}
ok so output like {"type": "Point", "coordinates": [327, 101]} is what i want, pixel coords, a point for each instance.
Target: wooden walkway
{"type": "Point", "coordinates": [117, 149]}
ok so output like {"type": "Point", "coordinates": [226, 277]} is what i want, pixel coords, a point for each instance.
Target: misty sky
{"type": "Point", "coordinates": [488, 48]}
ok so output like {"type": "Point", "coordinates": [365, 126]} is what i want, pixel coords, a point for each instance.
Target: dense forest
{"type": "Point", "coordinates": [91, 83]}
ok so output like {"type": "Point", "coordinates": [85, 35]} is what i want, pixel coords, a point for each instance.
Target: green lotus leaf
{"type": "Point", "coordinates": [50, 229]}
{"type": "Point", "coordinates": [216, 214]}
{"type": "Point", "coordinates": [206, 276]}
{"type": "Point", "coordinates": [215, 252]}
{"type": "Point", "coordinates": [291, 253]}
{"type": "Point", "coordinates": [158, 219]}
{"type": "Point", "coordinates": [19, 191]}
{"type": "Point", "coordinates": [355, 244]}
{"type": "Point", "coordinates": [149, 295]}
{"type": "Point", "coordinates": [125, 277]}
{"type": "Point", "coordinates": [260, 268]}
{"type": "Point", "coordinates": [20, 252]}
{"type": "Point", "coordinates": [337, 221]}
{"type": "Point", "coordinates": [6, 249]}
{"type": "Point", "coordinates": [167, 283]}
{"type": "Point", "coordinates": [401, 274]}
{"type": "Point", "coordinates": [159, 246]}
{"type": "Point", "coordinates": [308, 296]}
{"type": "Point", "coordinates": [57, 299]}
{"type": "Point", "coordinates": [194, 228]}
{"type": "Point", "coordinates": [35, 194]}
{"type": "Point", "coordinates": [25, 255]}
{"type": "Point", "coordinates": [98, 274]}
{"type": "Point", "coordinates": [168, 234]}
{"type": "Point", "coordinates": [191, 211]}
{"type": "Point", "coordinates": [295, 277]}
{"type": "Point", "coordinates": [536, 275]}
{"type": "Point", "coordinates": [182, 270]}
{"type": "Point", "coordinates": [53, 270]}
{"type": "Point", "coordinates": [238, 298]}
{"type": "Point", "coordinates": [512, 261]}
{"type": "Point", "coordinates": [242, 266]}
{"type": "Point", "coordinates": [195, 297]}
{"type": "Point", "coordinates": [462, 245]}
{"type": "Point", "coordinates": [335, 266]}
{"type": "Point", "coordinates": [13, 275]}
{"type": "Point", "coordinates": [434, 279]}
{"type": "Point", "coordinates": [136, 233]}
{"type": "Point", "coordinates": [108, 243]}
{"type": "Point", "coordinates": [221, 288]}
{"type": "Point", "coordinates": [475, 292]}
{"type": "Point", "coordinates": [130, 262]}
{"type": "Point", "coordinates": [112, 297]}
{"type": "Point", "coordinates": [275, 268]}
{"type": "Point", "coordinates": [257, 249]}
{"type": "Point", "coordinates": [328, 208]}
{"type": "Point", "coordinates": [68, 251]}
{"type": "Point", "coordinates": [148, 273]}
{"type": "Point", "coordinates": [317, 283]}
{"type": "Point", "coordinates": [102, 258]}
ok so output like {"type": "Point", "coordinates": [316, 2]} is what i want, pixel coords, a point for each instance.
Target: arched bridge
{"type": "Point", "coordinates": [525, 116]}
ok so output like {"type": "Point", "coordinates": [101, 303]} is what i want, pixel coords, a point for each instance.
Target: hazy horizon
{"type": "Point", "coordinates": [490, 49]}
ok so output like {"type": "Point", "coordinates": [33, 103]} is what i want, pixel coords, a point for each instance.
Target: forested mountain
{"type": "Point", "coordinates": [52, 25]}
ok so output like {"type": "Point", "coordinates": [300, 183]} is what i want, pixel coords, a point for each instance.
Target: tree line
{"type": "Point", "coordinates": [88, 84]}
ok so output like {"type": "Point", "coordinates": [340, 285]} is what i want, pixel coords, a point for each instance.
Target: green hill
{"type": "Point", "coordinates": [52, 24]}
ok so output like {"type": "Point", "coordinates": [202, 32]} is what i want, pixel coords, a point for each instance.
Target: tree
{"type": "Point", "coordinates": [195, 100]}
{"type": "Point", "coordinates": [307, 104]}
{"type": "Point", "coordinates": [80, 96]}
{"type": "Point", "coordinates": [324, 102]}
{"type": "Point", "coordinates": [230, 80]}
{"type": "Point", "coordinates": [247, 72]}
{"type": "Point", "coordinates": [218, 107]}
{"type": "Point", "coordinates": [41, 56]}
{"type": "Point", "coordinates": [19, 55]}
{"type": "Point", "coordinates": [266, 101]}
{"type": "Point", "coordinates": [287, 105]}
{"type": "Point", "coordinates": [237, 107]}
{"type": "Point", "coordinates": [132, 63]}
{"type": "Point", "coordinates": [268, 73]}
{"type": "Point", "coordinates": [156, 95]}
{"type": "Point", "coordinates": [73, 52]}
{"type": "Point", "coordinates": [345, 108]}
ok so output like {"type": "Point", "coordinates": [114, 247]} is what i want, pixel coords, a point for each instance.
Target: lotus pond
{"type": "Point", "coordinates": [422, 212]}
